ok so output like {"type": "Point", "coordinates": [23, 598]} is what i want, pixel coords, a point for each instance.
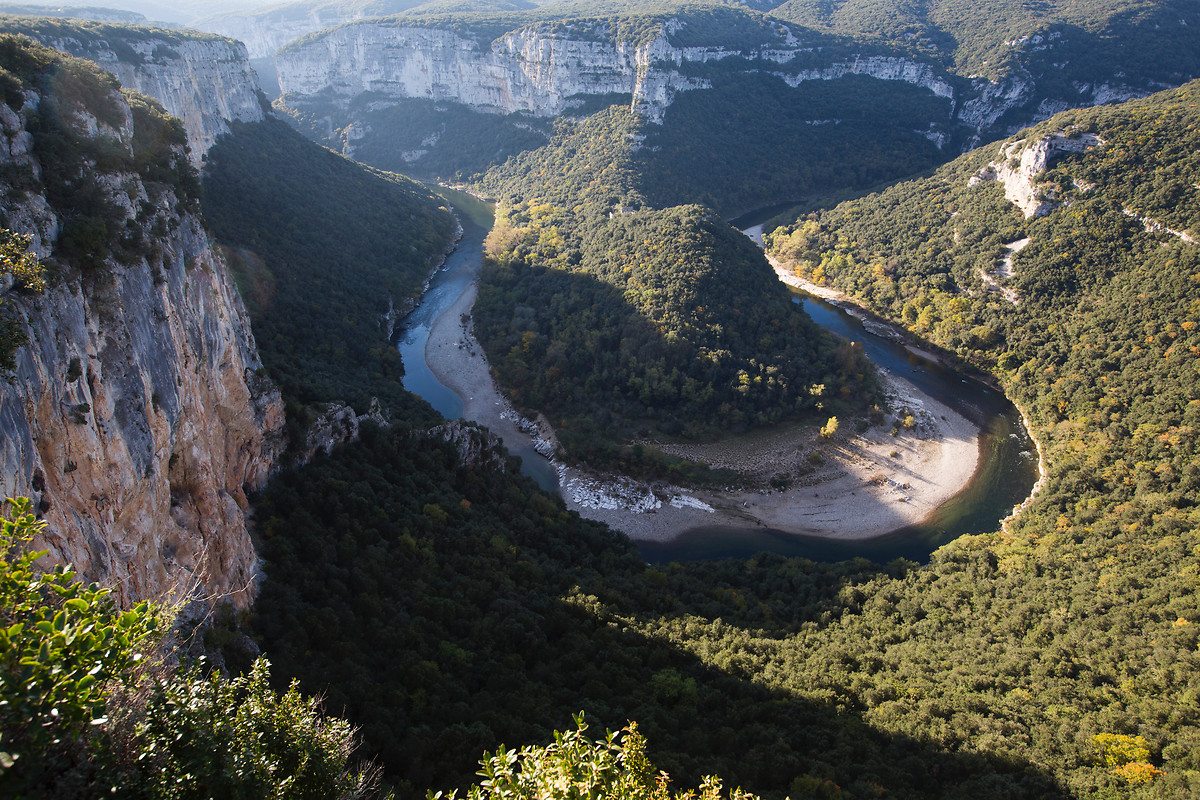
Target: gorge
{"type": "Point", "coordinates": [461, 485]}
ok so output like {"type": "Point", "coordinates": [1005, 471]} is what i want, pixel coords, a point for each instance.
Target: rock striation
{"type": "Point", "coordinates": [206, 81]}
{"type": "Point", "coordinates": [546, 70]}
{"type": "Point", "coordinates": [138, 416]}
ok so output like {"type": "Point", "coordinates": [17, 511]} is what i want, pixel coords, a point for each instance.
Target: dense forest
{"type": "Point", "coordinates": [843, 135]}
{"type": "Point", "coordinates": [447, 607]}
{"type": "Point", "coordinates": [422, 137]}
{"type": "Point", "coordinates": [1089, 40]}
{"type": "Point", "coordinates": [621, 320]}
{"type": "Point", "coordinates": [321, 248]}
{"type": "Point", "coordinates": [1056, 658]}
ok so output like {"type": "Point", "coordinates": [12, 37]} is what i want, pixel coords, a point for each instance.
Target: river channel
{"type": "Point", "coordinates": [1006, 471]}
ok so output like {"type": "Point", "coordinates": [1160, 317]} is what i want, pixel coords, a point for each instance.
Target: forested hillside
{"type": "Point", "coordinates": [618, 319]}
{"type": "Point", "coordinates": [322, 249]}
{"type": "Point", "coordinates": [1099, 39]}
{"type": "Point", "coordinates": [1099, 342]}
{"type": "Point", "coordinates": [1055, 659]}
{"type": "Point", "coordinates": [753, 141]}
{"type": "Point", "coordinates": [445, 604]}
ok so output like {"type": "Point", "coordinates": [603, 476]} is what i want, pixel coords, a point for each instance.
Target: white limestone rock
{"type": "Point", "coordinates": [1022, 163]}
{"type": "Point", "coordinates": [205, 81]}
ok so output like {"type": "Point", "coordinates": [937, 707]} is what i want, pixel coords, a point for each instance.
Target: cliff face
{"type": "Point", "coordinates": [265, 30]}
{"type": "Point", "coordinates": [1022, 163]}
{"type": "Point", "coordinates": [205, 81]}
{"type": "Point", "coordinates": [137, 416]}
{"type": "Point", "coordinates": [546, 70]}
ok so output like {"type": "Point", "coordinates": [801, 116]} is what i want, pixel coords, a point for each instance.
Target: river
{"type": "Point", "coordinates": [456, 276]}
{"type": "Point", "coordinates": [1006, 471]}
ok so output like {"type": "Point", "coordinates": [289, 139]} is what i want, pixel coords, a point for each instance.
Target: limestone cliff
{"type": "Point", "coordinates": [266, 30]}
{"type": "Point", "coordinates": [1021, 164]}
{"type": "Point", "coordinates": [137, 416]}
{"type": "Point", "coordinates": [548, 68]}
{"type": "Point", "coordinates": [206, 81]}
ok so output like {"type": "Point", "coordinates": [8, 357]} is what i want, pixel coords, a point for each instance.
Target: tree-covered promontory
{"type": "Point", "coordinates": [620, 320]}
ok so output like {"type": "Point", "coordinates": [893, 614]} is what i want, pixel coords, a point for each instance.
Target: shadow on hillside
{"type": "Point", "coordinates": [700, 719]}
{"type": "Point", "coordinates": [1152, 47]}
{"type": "Point", "coordinates": [580, 346]}
{"type": "Point", "coordinates": [439, 607]}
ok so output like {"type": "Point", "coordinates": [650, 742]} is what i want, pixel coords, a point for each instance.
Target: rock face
{"type": "Point", "coordinates": [205, 81]}
{"type": "Point", "coordinates": [266, 31]}
{"type": "Point", "coordinates": [544, 70]}
{"type": "Point", "coordinates": [989, 102]}
{"type": "Point", "coordinates": [548, 68]}
{"type": "Point", "coordinates": [338, 424]}
{"type": "Point", "coordinates": [474, 446]}
{"type": "Point", "coordinates": [888, 68]}
{"type": "Point", "coordinates": [1022, 163]}
{"type": "Point", "coordinates": [137, 417]}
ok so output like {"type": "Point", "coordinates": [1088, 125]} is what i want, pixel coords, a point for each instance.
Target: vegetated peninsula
{"type": "Point", "coordinates": [619, 320]}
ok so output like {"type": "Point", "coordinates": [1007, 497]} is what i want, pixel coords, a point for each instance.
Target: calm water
{"type": "Point", "coordinates": [1008, 462]}
{"type": "Point", "coordinates": [461, 269]}
{"type": "Point", "coordinates": [1005, 476]}
{"type": "Point", "coordinates": [1006, 473]}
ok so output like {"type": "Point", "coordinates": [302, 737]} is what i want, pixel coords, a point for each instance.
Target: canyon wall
{"type": "Point", "coordinates": [546, 70]}
{"type": "Point", "coordinates": [137, 417]}
{"type": "Point", "coordinates": [206, 81]}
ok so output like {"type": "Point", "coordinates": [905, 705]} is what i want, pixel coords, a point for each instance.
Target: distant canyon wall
{"type": "Point", "coordinates": [546, 72]}
{"type": "Point", "coordinates": [205, 81]}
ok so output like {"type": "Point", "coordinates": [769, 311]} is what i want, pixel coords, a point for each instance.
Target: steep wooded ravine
{"type": "Point", "coordinates": [446, 605]}
{"type": "Point", "coordinates": [1054, 659]}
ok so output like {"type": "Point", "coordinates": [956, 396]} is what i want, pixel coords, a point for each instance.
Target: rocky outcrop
{"type": "Point", "coordinates": [545, 70]}
{"type": "Point", "coordinates": [474, 446]}
{"type": "Point", "coordinates": [266, 30]}
{"type": "Point", "coordinates": [137, 417]}
{"type": "Point", "coordinates": [338, 424]}
{"type": "Point", "coordinates": [989, 103]}
{"type": "Point", "coordinates": [886, 68]}
{"type": "Point", "coordinates": [1022, 163]}
{"type": "Point", "coordinates": [205, 81]}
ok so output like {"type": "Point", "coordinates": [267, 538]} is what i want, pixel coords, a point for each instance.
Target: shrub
{"type": "Point", "coordinates": [81, 714]}
{"type": "Point", "coordinates": [573, 766]}
{"type": "Point", "coordinates": [62, 644]}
